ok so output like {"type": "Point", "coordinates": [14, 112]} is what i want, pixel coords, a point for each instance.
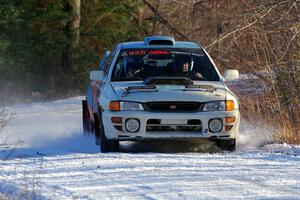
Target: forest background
{"type": "Point", "coordinates": [48, 47]}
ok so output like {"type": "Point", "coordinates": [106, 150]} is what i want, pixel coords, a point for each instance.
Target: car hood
{"type": "Point", "coordinates": [169, 92]}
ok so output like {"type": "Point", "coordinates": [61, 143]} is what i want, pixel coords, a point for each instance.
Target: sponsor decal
{"type": "Point", "coordinates": [137, 52]}
{"type": "Point", "coordinates": [157, 52]}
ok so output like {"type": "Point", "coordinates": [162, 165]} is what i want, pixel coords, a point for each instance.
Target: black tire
{"type": "Point", "coordinates": [226, 144]}
{"type": "Point", "coordinates": [106, 145]}
{"type": "Point", "coordinates": [97, 129]}
{"type": "Point", "coordinates": [86, 122]}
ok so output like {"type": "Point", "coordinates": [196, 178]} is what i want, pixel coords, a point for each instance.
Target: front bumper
{"type": "Point", "coordinates": [143, 133]}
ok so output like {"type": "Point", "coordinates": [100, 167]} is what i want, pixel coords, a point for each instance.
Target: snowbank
{"type": "Point", "coordinates": [283, 149]}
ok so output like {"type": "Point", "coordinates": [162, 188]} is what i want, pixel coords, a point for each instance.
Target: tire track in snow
{"type": "Point", "coordinates": [68, 165]}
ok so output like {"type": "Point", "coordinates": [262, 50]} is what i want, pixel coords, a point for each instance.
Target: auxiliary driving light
{"type": "Point", "coordinates": [132, 125]}
{"type": "Point", "coordinates": [215, 125]}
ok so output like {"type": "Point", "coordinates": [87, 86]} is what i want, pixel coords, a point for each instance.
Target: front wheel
{"type": "Point", "coordinates": [86, 121]}
{"type": "Point", "coordinates": [228, 144]}
{"type": "Point", "coordinates": [106, 145]}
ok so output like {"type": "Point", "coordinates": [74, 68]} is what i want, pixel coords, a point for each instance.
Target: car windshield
{"type": "Point", "coordinates": [140, 64]}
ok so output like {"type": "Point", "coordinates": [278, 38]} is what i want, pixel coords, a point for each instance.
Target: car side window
{"type": "Point", "coordinates": [108, 61]}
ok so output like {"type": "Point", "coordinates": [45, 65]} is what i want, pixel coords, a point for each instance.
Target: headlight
{"type": "Point", "coordinates": [131, 106]}
{"type": "Point", "coordinates": [125, 105]}
{"type": "Point", "coordinates": [219, 106]}
{"type": "Point", "coordinates": [215, 106]}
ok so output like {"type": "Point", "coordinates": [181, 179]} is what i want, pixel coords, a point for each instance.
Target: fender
{"type": "Point", "coordinates": [92, 94]}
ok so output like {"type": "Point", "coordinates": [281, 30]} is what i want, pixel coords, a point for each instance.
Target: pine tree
{"type": "Point", "coordinates": [48, 47]}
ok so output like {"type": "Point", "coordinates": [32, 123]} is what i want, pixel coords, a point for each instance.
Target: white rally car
{"type": "Point", "coordinates": [160, 89]}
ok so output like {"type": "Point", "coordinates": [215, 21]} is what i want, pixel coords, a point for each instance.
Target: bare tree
{"type": "Point", "coordinates": [257, 37]}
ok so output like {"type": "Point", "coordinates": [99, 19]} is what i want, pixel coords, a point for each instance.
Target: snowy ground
{"type": "Point", "coordinates": [44, 155]}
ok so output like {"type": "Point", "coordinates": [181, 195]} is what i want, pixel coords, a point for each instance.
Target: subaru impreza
{"type": "Point", "coordinates": [160, 89]}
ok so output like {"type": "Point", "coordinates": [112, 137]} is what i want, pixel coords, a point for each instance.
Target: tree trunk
{"type": "Point", "coordinates": [72, 31]}
{"type": "Point", "coordinates": [75, 24]}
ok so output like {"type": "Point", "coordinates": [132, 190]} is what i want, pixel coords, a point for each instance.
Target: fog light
{"type": "Point", "coordinates": [132, 125]}
{"type": "Point", "coordinates": [215, 125]}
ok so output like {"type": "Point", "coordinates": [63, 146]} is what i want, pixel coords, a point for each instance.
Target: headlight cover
{"type": "Point", "coordinates": [131, 106]}
{"type": "Point", "coordinates": [215, 106]}
{"type": "Point", "coordinates": [125, 105]}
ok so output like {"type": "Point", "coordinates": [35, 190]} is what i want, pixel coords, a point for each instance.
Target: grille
{"type": "Point", "coordinates": [178, 106]}
{"type": "Point", "coordinates": [155, 125]}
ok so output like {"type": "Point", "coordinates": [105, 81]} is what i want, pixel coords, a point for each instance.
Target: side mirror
{"type": "Point", "coordinates": [97, 75]}
{"type": "Point", "coordinates": [231, 74]}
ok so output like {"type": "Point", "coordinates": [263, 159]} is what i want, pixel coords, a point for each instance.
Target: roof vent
{"type": "Point", "coordinates": [159, 40]}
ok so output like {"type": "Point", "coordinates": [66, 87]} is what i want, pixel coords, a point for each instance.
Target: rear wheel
{"type": "Point", "coordinates": [106, 145]}
{"type": "Point", "coordinates": [86, 121]}
{"type": "Point", "coordinates": [227, 144]}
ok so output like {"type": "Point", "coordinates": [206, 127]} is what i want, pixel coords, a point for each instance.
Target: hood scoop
{"type": "Point", "coordinates": [142, 88]}
{"type": "Point", "coordinates": [203, 88]}
{"type": "Point", "coordinates": [165, 80]}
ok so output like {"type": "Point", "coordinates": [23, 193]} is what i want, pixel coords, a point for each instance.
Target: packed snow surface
{"type": "Point", "coordinates": [44, 155]}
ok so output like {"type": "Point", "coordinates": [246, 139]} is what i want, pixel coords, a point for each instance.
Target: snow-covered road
{"type": "Point", "coordinates": [44, 155]}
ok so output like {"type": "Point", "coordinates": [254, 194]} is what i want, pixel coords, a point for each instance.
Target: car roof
{"type": "Point", "coordinates": [141, 44]}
